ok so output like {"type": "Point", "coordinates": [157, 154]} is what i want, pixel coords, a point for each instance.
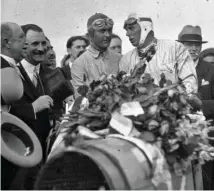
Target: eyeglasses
{"type": "Point", "coordinates": [130, 21]}
{"type": "Point", "coordinates": [100, 23]}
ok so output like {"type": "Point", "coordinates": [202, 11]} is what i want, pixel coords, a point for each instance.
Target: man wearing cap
{"type": "Point", "coordinates": [191, 38]}
{"type": "Point", "coordinates": [97, 60]}
{"type": "Point", "coordinates": [167, 56]}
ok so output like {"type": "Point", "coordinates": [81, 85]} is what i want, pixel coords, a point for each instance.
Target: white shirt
{"type": "Point", "coordinates": [9, 59]}
{"type": "Point", "coordinates": [29, 68]}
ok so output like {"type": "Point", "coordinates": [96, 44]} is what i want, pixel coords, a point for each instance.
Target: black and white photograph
{"type": "Point", "coordinates": [107, 94]}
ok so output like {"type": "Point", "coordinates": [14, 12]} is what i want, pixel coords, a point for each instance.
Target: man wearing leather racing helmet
{"type": "Point", "coordinates": [166, 56]}
{"type": "Point", "coordinates": [97, 60]}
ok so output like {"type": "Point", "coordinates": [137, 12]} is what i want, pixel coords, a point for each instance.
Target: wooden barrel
{"type": "Point", "coordinates": [112, 163]}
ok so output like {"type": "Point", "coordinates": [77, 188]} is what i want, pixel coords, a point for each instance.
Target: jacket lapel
{"type": "Point", "coordinates": [29, 88]}
{"type": "Point", "coordinates": [4, 63]}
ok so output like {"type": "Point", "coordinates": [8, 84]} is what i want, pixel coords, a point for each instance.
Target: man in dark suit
{"type": "Point", "coordinates": [33, 107]}
{"type": "Point", "coordinates": [12, 43]}
{"type": "Point", "coordinates": [191, 38]}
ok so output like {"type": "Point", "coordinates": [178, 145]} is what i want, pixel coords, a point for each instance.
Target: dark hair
{"type": "Point", "coordinates": [115, 36]}
{"type": "Point", "coordinates": [73, 38]}
{"type": "Point", "coordinates": [33, 27]}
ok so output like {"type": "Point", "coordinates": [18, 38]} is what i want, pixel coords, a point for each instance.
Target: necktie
{"type": "Point", "coordinates": [35, 77]}
{"type": "Point", "coordinates": [37, 82]}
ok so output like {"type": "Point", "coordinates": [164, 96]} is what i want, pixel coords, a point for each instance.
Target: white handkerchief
{"type": "Point", "coordinates": [204, 82]}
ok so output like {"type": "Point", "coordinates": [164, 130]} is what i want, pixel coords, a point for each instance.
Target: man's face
{"type": "Point", "coordinates": [134, 33]}
{"type": "Point", "coordinates": [102, 37]}
{"type": "Point", "coordinates": [36, 47]}
{"type": "Point", "coordinates": [194, 49]}
{"type": "Point", "coordinates": [50, 56]}
{"type": "Point", "coordinates": [77, 48]}
{"type": "Point", "coordinates": [116, 45]}
{"type": "Point", "coordinates": [17, 43]}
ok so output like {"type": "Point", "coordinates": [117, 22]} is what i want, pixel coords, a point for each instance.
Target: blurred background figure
{"type": "Point", "coordinates": [207, 55]}
{"type": "Point", "coordinates": [50, 56]}
{"type": "Point", "coordinates": [76, 45]}
{"type": "Point", "coordinates": [116, 44]}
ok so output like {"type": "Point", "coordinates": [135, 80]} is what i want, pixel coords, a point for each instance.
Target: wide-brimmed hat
{"type": "Point", "coordinates": [191, 34]}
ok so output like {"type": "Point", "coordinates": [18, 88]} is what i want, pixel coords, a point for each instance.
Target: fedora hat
{"type": "Point", "coordinates": [191, 34]}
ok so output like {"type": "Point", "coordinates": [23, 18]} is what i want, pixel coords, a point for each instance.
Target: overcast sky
{"type": "Point", "coordinates": [61, 19]}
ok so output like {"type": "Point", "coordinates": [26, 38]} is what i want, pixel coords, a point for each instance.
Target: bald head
{"type": "Point", "coordinates": [12, 40]}
{"type": "Point", "coordinates": [7, 30]}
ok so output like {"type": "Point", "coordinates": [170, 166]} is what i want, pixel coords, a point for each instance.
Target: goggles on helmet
{"type": "Point", "coordinates": [130, 21]}
{"type": "Point", "coordinates": [133, 20]}
{"type": "Point", "coordinates": [101, 23]}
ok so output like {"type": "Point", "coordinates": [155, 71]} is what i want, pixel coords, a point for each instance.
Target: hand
{"type": "Point", "coordinates": [43, 102]}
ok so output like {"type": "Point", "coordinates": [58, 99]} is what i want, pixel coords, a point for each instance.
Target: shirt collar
{"type": "Point", "coordinates": [95, 53]}
{"type": "Point", "coordinates": [9, 59]}
{"type": "Point", "coordinates": [196, 62]}
{"type": "Point", "coordinates": [29, 67]}
{"type": "Point", "coordinates": [70, 64]}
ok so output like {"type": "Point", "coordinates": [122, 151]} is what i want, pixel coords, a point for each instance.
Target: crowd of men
{"type": "Point", "coordinates": [89, 57]}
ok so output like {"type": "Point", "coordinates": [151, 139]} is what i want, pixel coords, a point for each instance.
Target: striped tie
{"type": "Point", "coordinates": [35, 78]}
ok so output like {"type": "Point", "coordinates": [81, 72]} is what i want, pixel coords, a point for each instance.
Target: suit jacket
{"type": "Point", "coordinates": [23, 108]}
{"type": "Point", "coordinates": [58, 109]}
{"type": "Point", "coordinates": [205, 73]}
{"type": "Point", "coordinates": [8, 169]}
{"type": "Point", "coordinates": [66, 70]}
{"type": "Point", "coordinates": [4, 63]}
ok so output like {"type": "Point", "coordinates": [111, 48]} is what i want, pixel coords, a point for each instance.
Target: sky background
{"type": "Point", "coordinates": [61, 19]}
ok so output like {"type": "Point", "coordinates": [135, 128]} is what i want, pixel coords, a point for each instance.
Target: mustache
{"type": "Point", "coordinates": [194, 53]}
{"type": "Point", "coordinates": [39, 53]}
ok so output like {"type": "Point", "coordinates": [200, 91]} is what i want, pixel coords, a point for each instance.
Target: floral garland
{"type": "Point", "coordinates": [132, 105]}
